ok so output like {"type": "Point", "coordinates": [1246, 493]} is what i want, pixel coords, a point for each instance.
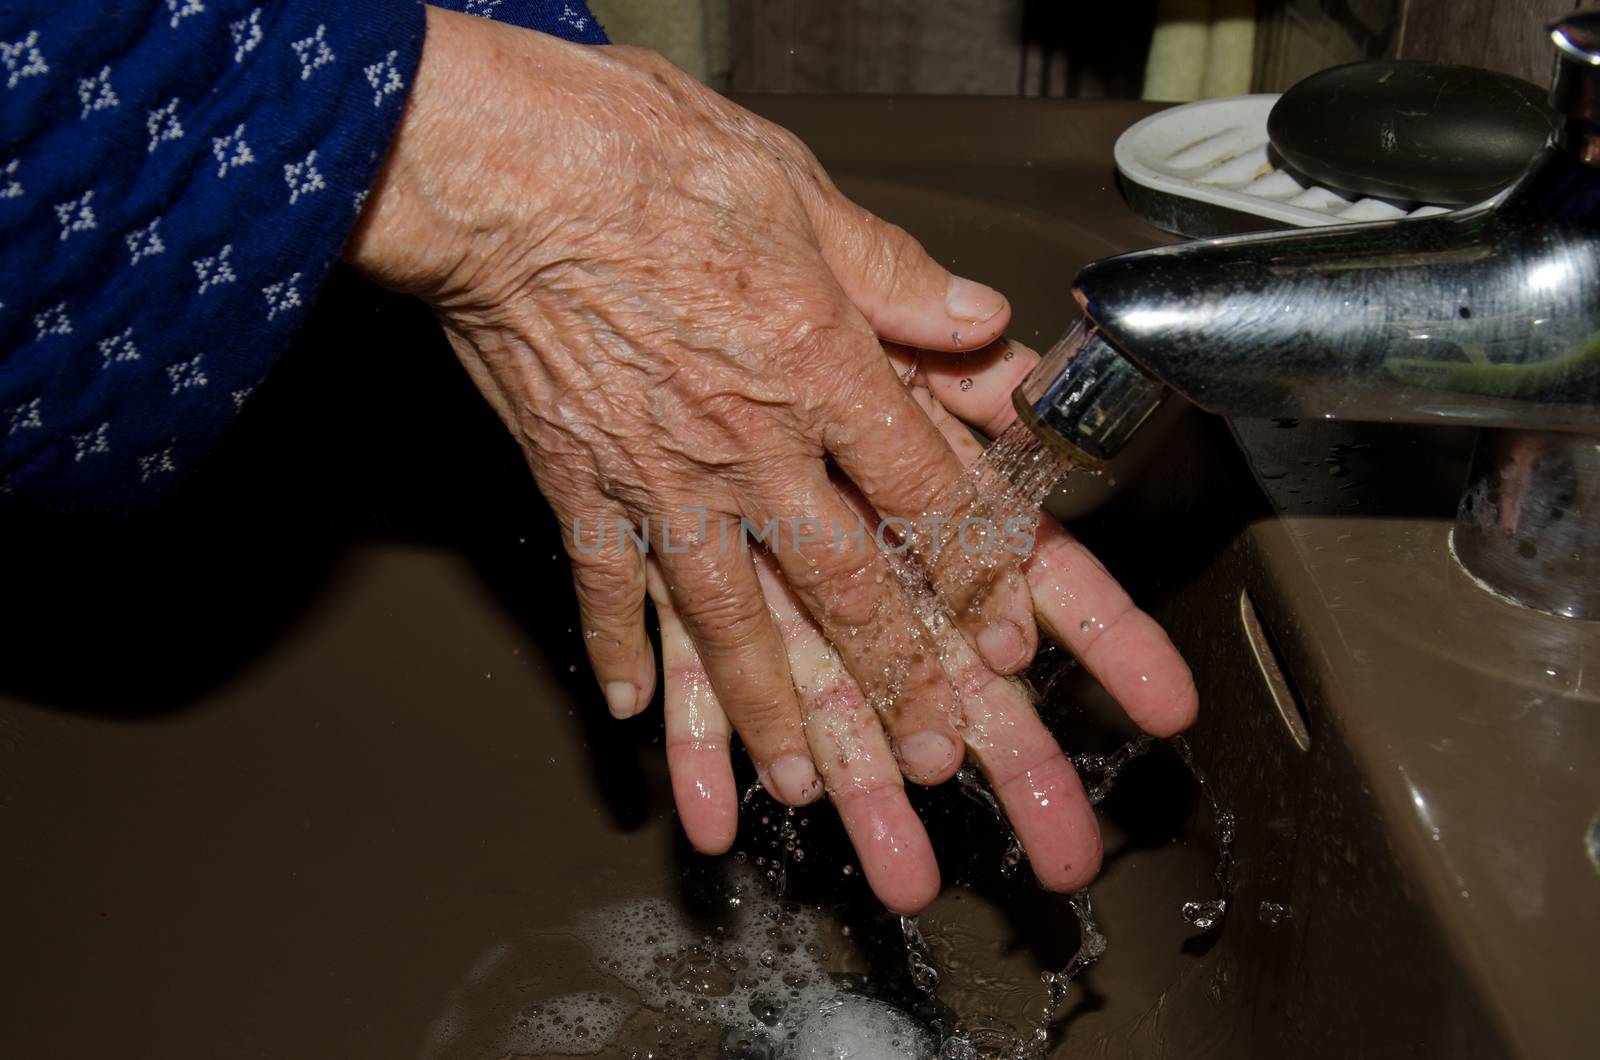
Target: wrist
{"type": "Point", "coordinates": [435, 195]}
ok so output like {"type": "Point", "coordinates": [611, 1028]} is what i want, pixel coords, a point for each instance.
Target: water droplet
{"type": "Point", "coordinates": [1274, 913]}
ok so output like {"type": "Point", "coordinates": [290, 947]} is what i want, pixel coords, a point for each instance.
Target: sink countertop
{"type": "Point", "coordinates": [1477, 720]}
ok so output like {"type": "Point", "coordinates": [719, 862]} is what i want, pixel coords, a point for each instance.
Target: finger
{"type": "Point", "coordinates": [977, 387]}
{"type": "Point", "coordinates": [853, 756]}
{"type": "Point", "coordinates": [609, 577]}
{"type": "Point", "coordinates": [846, 584]}
{"type": "Point", "coordinates": [697, 733]}
{"type": "Point", "coordinates": [1085, 611]}
{"type": "Point", "coordinates": [715, 592]}
{"type": "Point", "coordinates": [1035, 783]}
{"type": "Point", "coordinates": [884, 442]}
{"type": "Point", "coordinates": [906, 295]}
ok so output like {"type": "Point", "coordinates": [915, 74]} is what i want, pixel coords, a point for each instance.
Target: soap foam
{"type": "Point", "coordinates": [568, 1025]}
{"type": "Point", "coordinates": [849, 1027]}
{"type": "Point", "coordinates": [757, 975]}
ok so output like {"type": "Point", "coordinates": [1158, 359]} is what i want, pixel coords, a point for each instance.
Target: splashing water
{"type": "Point", "coordinates": [1017, 473]}
{"type": "Point", "coordinates": [1008, 486]}
{"type": "Point", "coordinates": [1103, 770]}
{"type": "Point", "coordinates": [974, 787]}
{"type": "Point", "coordinates": [1108, 766]}
{"type": "Point", "coordinates": [1206, 915]}
{"type": "Point", "coordinates": [919, 963]}
{"type": "Point", "coordinates": [1091, 947]}
{"type": "Point", "coordinates": [990, 1043]}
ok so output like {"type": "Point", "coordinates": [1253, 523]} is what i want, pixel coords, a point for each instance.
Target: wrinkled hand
{"type": "Point", "coordinates": [1077, 602]}
{"type": "Point", "coordinates": [674, 311]}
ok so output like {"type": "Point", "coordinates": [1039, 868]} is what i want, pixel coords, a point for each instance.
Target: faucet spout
{"type": "Point", "coordinates": [1085, 399]}
{"type": "Point", "coordinates": [1488, 317]}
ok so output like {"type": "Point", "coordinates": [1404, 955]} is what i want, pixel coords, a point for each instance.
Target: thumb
{"type": "Point", "coordinates": [906, 295]}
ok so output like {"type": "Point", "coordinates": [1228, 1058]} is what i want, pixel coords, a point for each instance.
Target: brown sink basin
{"type": "Point", "coordinates": [311, 766]}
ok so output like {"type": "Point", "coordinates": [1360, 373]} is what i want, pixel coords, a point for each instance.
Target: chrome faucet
{"type": "Point", "coordinates": [1487, 318]}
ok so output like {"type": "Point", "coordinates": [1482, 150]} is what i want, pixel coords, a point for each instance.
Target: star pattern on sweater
{"type": "Point", "coordinates": [163, 124]}
{"type": "Point", "coordinates": [282, 296]}
{"type": "Point", "coordinates": [214, 270]}
{"type": "Point", "coordinates": [76, 215]}
{"type": "Point", "coordinates": [187, 374]}
{"type": "Point", "coordinates": [138, 260]}
{"type": "Point", "coordinates": [231, 151]}
{"type": "Point", "coordinates": [384, 77]}
{"type": "Point", "coordinates": [182, 9]}
{"type": "Point", "coordinates": [313, 52]}
{"type": "Point", "coordinates": [303, 178]}
{"type": "Point", "coordinates": [118, 347]}
{"type": "Point", "coordinates": [144, 242]}
{"type": "Point", "coordinates": [153, 464]}
{"type": "Point", "coordinates": [25, 417]}
{"type": "Point", "coordinates": [22, 58]}
{"type": "Point", "coordinates": [246, 34]}
{"type": "Point", "coordinates": [95, 93]}
{"type": "Point", "coordinates": [91, 442]}
{"type": "Point", "coordinates": [53, 321]}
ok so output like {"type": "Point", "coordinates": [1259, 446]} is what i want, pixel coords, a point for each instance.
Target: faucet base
{"type": "Point", "coordinates": [1528, 526]}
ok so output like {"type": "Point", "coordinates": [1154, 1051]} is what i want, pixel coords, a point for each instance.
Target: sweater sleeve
{"type": "Point", "coordinates": [176, 179]}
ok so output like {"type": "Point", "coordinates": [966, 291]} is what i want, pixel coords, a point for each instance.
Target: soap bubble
{"type": "Point", "coordinates": [849, 1027]}
{"type": "Point", "coordinates": [568, 1025]}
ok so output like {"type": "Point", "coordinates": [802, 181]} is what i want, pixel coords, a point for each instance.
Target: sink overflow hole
{"type": "Point", "coordinates": [1270, 662]}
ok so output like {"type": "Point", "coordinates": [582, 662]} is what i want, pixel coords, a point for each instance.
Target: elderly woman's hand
{"type": "Point", "coordinates": [1077, 602]}
{"type": "Point", "coordinates": [678, 317]}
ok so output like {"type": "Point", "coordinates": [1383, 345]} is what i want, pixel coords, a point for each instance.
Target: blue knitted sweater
{"type": "Point", "coordinates": [176, 179]}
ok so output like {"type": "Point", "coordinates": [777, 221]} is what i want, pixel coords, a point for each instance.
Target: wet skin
{"type": "Point", "coordinates": [673, 310]}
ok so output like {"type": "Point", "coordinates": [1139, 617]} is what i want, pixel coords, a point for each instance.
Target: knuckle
{"type": "Point", "coordinates": [845, 789]}
{"type": "Point", "coordinates": [975, 683]}
{"type": "Point", "coordinates": [924, 477]}
{"type": "Point", "coordinates": [815, 323]}
{"type": "Point", "coordinates": [796, 158]}
{"type": "Point", "coordinates": [610, 616]}
{"type": "Point", "coordinates": [892, 260]}
{"type": "Point", "coordinates": [924, 691]}
{"type": "Point", "coordinates": [725, 619]}
{"type": "Point", "coordinates": [1039, 760]}
{"type": "Point", "coordinates": [711, 742]}
{"type": "Point", "coordinates": [599, 582]}
{"type": "Point", "coordinates": [769, 726]}
{"type": "Point", "coordinates": [843, 592]}
{"type": "Point", "coordinates": [1094, 631]}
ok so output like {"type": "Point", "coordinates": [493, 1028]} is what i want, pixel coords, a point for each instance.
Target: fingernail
{"type": "Point", "coordinates": [794, 779]}
{"type": "Point", "coordinates": [622, 699]}
{"type": "Point", "coordinates": [972, 302]}
{"type": "Point", "coordinates": [1002, 645]}
{"type": "Point", "coordinates": [925, 754]}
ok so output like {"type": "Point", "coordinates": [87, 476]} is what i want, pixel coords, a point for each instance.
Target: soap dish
{"type": "Point", "coordinates": [1203, 169]}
